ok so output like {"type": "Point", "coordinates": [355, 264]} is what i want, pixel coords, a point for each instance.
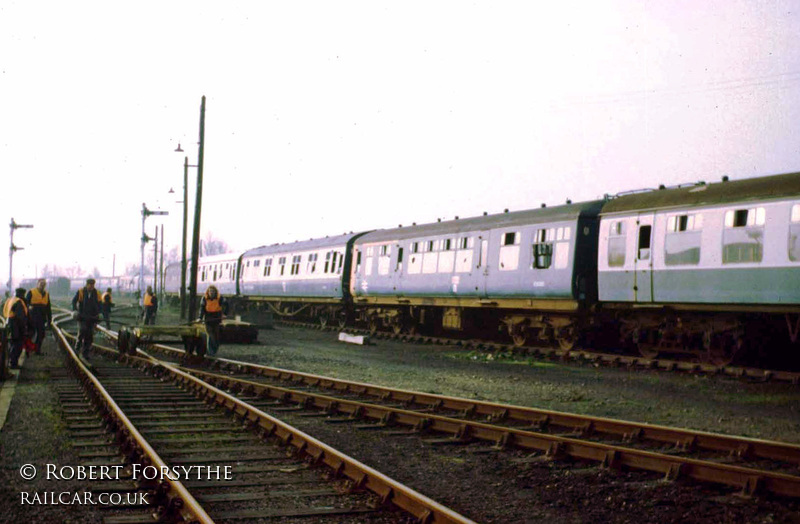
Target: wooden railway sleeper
{"type": "Point", "coordinates": [633, 436]}
{"type": "Point", "coordinates": [675, 471]}
{"type": "Point", "coordinates": [504, 441]}
{"type": "Point", "coordinates": [751, 487]}
{"type": "Point", "coordinates": [555, 451]}
{"type": "Point", "coordinates": [611, 460]}
{"type": "Point", "coordinates": [743, 452]}
{"type": "Point", "coordinates": [686, 445]}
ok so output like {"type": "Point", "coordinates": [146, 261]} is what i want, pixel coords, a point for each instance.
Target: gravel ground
{"type": "Point", "coordinates": [35, 433]}
{"type": "Point", "coordinates": [491, 487]}
{"type": "Point", "coordinates": [485, 486]}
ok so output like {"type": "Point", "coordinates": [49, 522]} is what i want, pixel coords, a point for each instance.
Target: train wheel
{"type": "Point", "coordinates": [397, 327]}
{"type": "Point", "coordinates": [519, 334]}
{"type": "Point", "coordinates": [648, 350]}
{"type": "Point", "coordinates": [566, 338]}
{"type": "Point", "coordinates": [722, 350]}
{"type": "Point", "coordinates": [374, 324]}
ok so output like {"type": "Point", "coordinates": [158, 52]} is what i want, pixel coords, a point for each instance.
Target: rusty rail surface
{"type": "Point", "coordinates": [422, 508]}
{"type": "Point", "coordinates": [492, 411]}
{"type": "Point", "coordinates": [180, 506]}
{"type": "Point", "coordinates": [593, 357]}
{"type": "Point", "coordinates": [747, 479]}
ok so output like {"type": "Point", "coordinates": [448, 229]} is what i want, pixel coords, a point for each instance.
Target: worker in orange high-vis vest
{"type": "Point", "coordinates": [212, 309]}
{"type": "Point", "coordinates": [150, 304]}
{"type": "Point", "coordinates": [38, 300]}
{"type": "Point", "coordinates": [16, 312]}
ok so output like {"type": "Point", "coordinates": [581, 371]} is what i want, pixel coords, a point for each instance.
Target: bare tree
{"type": "Point", "coordinates": [73, 271]}
{"type": "Point", "coordinates": [214, 246]}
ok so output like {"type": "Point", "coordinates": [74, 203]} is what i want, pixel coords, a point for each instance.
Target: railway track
{"type": "Point", "coordinates": [749, 466]}
{"type": "Point", "coordinates": [228, 459]}
{"type": "Point", "coordinates": [579, 356]}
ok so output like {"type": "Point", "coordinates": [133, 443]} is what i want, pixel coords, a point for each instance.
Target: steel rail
{"type": "Point", "coordinates": [180, 503]}
{"type": "Point", "coordinates": [747, 479]}
{"type": "Point", "coordinates": [422, 508]}
{"type": "Point", "coordinates": [743, 447]}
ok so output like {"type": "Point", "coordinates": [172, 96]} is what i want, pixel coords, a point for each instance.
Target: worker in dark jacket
{"type": "Point", "coordinates": [107, 305]}
{"type": "Point", "coordinates": [150, 304]}
{"type": "Point", "coordinates": [88, 304]}
{"type": "Point", "coordinates": [16, 312]}
{"type": "Point", "coordinates": [212, 310]}
{"type": "Point", "coordinates": [38, 300]}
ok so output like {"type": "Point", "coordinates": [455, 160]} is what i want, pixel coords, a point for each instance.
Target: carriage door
{"type": "Point", "coordinates": [643, 271]}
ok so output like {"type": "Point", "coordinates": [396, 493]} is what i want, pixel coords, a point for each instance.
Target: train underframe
{"type": "Point", "coordinates": [760, 337]}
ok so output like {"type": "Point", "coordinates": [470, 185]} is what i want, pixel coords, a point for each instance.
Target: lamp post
{"type": "Point", "coordinates": [198, 202]}
{"type": "Point", "coordinates": [185, 203]}
{"type": "Point", "coordinates": [12, 249]}
{"type": "Point", "coordinates": [145, 213]}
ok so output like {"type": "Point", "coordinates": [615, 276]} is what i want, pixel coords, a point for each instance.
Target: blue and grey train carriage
{"type": "Point", "coordinates": [706, 268]}
{"type": "Point", "coordinates": [219, 271]}
{"type": "Point", "coordinates": [530, 273]}
{"type": "Point", "coordinates": [302, 280]}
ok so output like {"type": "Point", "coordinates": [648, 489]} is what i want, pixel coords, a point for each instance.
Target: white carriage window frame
{"type": "Point", "coordinates": [746, 217]}
{"type": "Point", "coordinates": [685, 222]}
{"type": "Point", "coordinates": [311, 263]}
{"type": "Point", "coordinates": [414, 247]}
{"type": "Point", "coordinates": [683, 228]}
{"type": "Point", "coordinates": [753, 221]}
{"type": "Point", "coordinates": [617, 236]}
{"type": "Point", "coordinates": [466, 242]}
{"type": "Point", "coordinates": [267, 267]}
{"type": "Point", "coordinates": [793, 248]}
{"type": "Point", "coordinates": [510, 238]}
{"type": "Point", "coordinates": [386, 250]}
{"type": "Point", "coordinates": [296, 261]}
{"type": "Point", "coordinates": [542, 248]}
{"type": "Point", "coordinates": [282, 263]}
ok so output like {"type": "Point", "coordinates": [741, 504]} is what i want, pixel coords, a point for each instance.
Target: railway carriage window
{"type": "Point", "coordinates": [543, 249]}
{"type": "Point", "coordinates": [358, 261]}
{"type": "Point", "coordinates": [267, 267]}
{"type": "Point", "coordinates": [431, 245]}
{"type": "Point", "coordinates": [415, 247]}
{"type": "Point", "coordinates": [465, 243]}
{"type": "Point", "coordinates": [644, 242]}
{"type": "Point", "coordinates": [682, 244]}
{"type": "Point", "coordinates": [341, 262]}
{"type": "Point", "coordinates": [282, 263]}
{"type": "Point", "coordinates": [383, 259]}
{"type": "Point", "coordinates": [509, 251]}
{"type": "Point", "coordinates": [295, 265]}
{"type": "Point", "coordinates": [511, 238]}
{"type": "Point", "coordinates": [794, 234]}
{"type": "Point", "coordinates": [399, 266]}
{"type": "Point", "coordinates": [616, 244]}
{"type": "Point", "coordinates": [447, 244]}
{"type": "Point", "coordinates": [743, 236]}
{"type": "Point", "coordinates": [311, 265]}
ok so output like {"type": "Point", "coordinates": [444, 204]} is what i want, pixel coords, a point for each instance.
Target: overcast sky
{"type": "Point", "coordinates": [326, 117]}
